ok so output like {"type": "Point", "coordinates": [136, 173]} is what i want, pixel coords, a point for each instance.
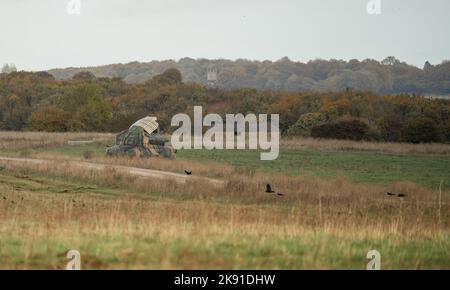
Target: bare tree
{"type": "Point", "coordinates": [9, 68]}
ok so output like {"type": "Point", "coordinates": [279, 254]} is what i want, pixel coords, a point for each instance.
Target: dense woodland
{"type": "Point", "coordinates": [38, 101]}
{"type": "Point", "coordinates": [390, 76]}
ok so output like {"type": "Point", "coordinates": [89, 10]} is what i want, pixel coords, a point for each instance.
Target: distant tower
{"type": "Point", "coordinates": [211, 76]}
{"type": "Point", "coordinates": [427, 66]}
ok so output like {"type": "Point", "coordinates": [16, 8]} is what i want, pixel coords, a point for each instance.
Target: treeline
{"type": "Point", "coordinates": [390, 76]}
{"type": "Point", "coordinates": [37, 101]}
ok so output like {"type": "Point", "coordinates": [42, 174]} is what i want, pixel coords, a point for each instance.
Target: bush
{"type": "Point", "coordinates": [84, 76]}
{"type": "Point", "coordinates": [50, 119]}
{"type": "Point", "coordinates": [446, 132]}
{"type": "Point", "coordinates": [168, 77]}
{"type": "Point", "coordinates": [390, 129]}
{"type": "Point", "coordinates": [347, 130]}
{"type": "Point", "coordinates": [305, 123]}
{"type": "Point", "coordinates": [421, 130]}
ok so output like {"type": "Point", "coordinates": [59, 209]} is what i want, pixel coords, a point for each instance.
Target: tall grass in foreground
{"type": "Point", "coordinates": [117, 220]}
{"type": "Point", "coordinates": [164, 224]}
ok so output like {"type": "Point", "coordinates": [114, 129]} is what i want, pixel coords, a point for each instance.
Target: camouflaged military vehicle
{"type": "Point", "coordinates": [141, 140]}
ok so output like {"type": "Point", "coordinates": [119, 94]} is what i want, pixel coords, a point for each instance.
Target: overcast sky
{"type": "Point", "coordinates": [40, 34]}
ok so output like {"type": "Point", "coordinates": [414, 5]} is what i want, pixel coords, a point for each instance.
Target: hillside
{"type": "Point", "coordinates": [385, 77]}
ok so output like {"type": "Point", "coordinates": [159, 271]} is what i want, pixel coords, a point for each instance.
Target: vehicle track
{"type": "Point", "coordinates": [142, 172]}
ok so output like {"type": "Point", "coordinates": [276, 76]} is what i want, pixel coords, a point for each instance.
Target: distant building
{"type": "Point", "coordinates": [211, 76]}
{"type": "Point", "coordinates": [427, 66]}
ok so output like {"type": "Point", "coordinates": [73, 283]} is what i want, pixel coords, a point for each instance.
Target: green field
{"type": "Point", "coordinates": [243, 251]}
{"type": "Point", "coordinates": [367, 167]}
{"type": "Point", "coordinates": [426, 170]}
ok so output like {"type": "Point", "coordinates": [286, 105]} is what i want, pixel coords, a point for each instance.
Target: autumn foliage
{"type": "Point", "coordinates": [37, 101]}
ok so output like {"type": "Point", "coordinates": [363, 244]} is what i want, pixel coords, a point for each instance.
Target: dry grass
{"type": "Point", "coordinates": [382, 147]}
{"type": "Point", "coordinates": [22, 141]}
{"type": "Point", "coordinates": [339, 199]}
{"type": "Point", "coordinates": [10, 140]}
{"type": "Point", "coordinates": [121, 221]}
{"type": "Point", "coordinates": [156, 224]}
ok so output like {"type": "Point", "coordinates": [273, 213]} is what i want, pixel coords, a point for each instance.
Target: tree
{"type": "Point", "coordinates": [89, 110]}
{"type": "Point", "coordinates": [390, 60]}
{"type": "Point", "coordinates": [14, 112]}
{"type": "Point", "coordinates": [446, 131]}
{"type": "Point", "coordinates": [84, 76]}
{"type": "Point", "coordinates": [49, 119]}
{"type": "Point", "coordinates": [93, 116]}
{"type": "Point", "coordinates": [346, 129]}
{"type": "Point", "coordinates": [305, 123]}
{"type": "Point", "coordinates": [390, 128]}
{"type": "Point", "coordinates": [421, 130]}
{"type": "Point", "coordinates": [389, 76]}
{"type": "Point", "coordinates": [77, 96]}
{"type": "Point", "coordinates": [171, 76]}
{"type": "Point", "coordinates": [9, 68]}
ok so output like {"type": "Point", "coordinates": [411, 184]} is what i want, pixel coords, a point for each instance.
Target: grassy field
{"type": "Point", "coordinates": [334, 211]}
{"type": "Point", "coordinates": [427, 170]}
{"type": "Point", "coordinates": [357, 166]}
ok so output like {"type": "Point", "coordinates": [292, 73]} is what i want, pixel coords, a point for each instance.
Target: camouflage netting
{"type": "Point", "coordinates": [141, 141]}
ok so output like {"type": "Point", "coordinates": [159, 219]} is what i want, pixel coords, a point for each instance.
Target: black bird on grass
{"type": "Point", "coordinates": [396, 194]}
{"type": "Point", "coordinates": [188, 172]}
{"type": "Point", "coordinates": [269, 189]}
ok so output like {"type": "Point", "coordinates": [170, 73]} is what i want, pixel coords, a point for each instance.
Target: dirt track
{"type": "Point", "coordinates": [142, 172]}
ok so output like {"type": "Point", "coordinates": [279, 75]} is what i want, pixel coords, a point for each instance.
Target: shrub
{"type": "Point", "coordinates": [50, 119]}
{"type": "Point", "coordinates": [446, 132]}
{"type": "Point", "coordinates": [346, 129]}
{"type": "Point", "coordinates": [390, 129]}
{"type": "Point", "coordinates": [305, 123]}
{"type": "Point", "coordinates": [421, 130]}
{"type": "Point", "coordinates": [84, 76]}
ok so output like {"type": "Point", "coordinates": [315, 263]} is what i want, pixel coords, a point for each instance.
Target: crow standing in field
{"type": "Point", "coordinates": [188, 172]}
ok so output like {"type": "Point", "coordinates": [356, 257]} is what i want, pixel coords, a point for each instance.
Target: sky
{"type": "Point", "coordinates": [42, 34]}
